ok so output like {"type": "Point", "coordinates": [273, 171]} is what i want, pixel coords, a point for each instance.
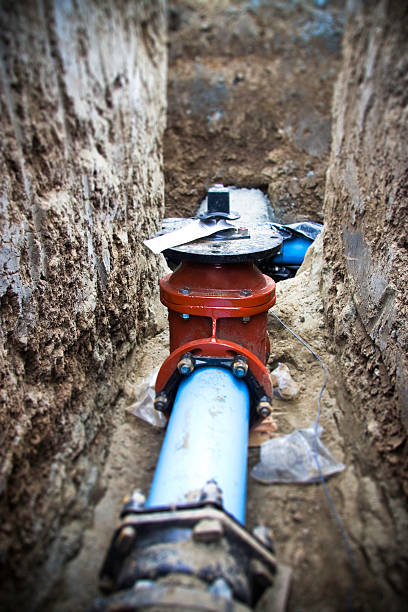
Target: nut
{"type": "Point", "coordinates": [211, 493]}
{"type": "Point", "coordinates": [260, 573]}
{"type": "Point", "coordinates": [161, 402]}
{"type": "Point", "coordinates": [186, 365]}
{"type": "Point", "coordinates": [125, 539]}
{"type": "Point", "coordinates": [208, 530]}
{"type": "Point", "coordinates": [136, 499]}
{"type": "Point", "coordinates": [240, 367]}
{"type": "Point", "coordinates": [264, 407]}
{"type": "Point", "coordinates": [265, 535]}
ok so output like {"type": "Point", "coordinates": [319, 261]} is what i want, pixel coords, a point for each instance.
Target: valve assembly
{"type": "Point", "coordinates": [186, 547]}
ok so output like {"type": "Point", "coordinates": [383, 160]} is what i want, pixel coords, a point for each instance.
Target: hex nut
{"type": "Point", "coordinates": [260, 573]}
{"type": "Point", "coordinates": [186, 365]}
{"type": "Point", "coordinates": [240, 367]}
{"type": "Point", "coordinates": [125, 539]}
{"type": "Point", "coordinates": [265, 535]}
{"type": "Point", "coordinates": [161, 402]}
{"type": "Point", "coordinates": [264, 407]}
{"type": "Point", "coordinates": [208, 530]}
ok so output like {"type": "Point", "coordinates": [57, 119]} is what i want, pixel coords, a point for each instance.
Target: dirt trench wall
{"type": "Point", "coordinates": [81, 122]}
{"type": "Point", "coordinates": [366, 236]}
{"type": "Point", "coordinates": [249, 98]}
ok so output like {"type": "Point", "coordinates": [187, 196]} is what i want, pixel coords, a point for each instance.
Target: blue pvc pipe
{"type": "Point", "coordinates": [292, 251]}
{"type": "Point", "coordinates": [206, 438]}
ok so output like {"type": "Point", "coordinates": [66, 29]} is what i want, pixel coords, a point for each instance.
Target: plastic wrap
{"type": "Point", "coordinates": [292, 459]}
{"type": "Point", "coordinates": [144, 408]}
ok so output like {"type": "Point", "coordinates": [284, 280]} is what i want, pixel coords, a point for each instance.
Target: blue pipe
{"type": "Point", "coordinates": [292, 251]}
{"type": "Point", "coordinates": [206, 438]}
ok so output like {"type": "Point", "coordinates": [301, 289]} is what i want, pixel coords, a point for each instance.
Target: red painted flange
{"type": "Point", "coordinates": [213, 347]}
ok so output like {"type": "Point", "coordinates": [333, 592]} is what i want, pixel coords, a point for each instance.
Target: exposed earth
{"type": "Point", "coordinates": [250, 105]}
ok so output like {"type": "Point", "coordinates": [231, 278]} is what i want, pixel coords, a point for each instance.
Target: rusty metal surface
{"type": "Point", "coordinates": [166, 542]}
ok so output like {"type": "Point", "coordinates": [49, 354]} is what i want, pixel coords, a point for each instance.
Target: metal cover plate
{"type": "Point", "coordinates": [263, 241]}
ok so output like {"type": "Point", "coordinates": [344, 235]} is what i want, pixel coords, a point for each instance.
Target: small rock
{"type": "Point", "coordinates": [284, 386]}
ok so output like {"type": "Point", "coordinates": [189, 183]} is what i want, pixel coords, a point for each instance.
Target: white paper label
{"type": "Point", "coordinates": [189, 232]}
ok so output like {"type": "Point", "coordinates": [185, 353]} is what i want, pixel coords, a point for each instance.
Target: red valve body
{"type": "Point", "coordinates": [218, 310]}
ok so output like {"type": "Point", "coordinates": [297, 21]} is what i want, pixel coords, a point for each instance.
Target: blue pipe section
{"type": "Point", "coordinates": [293, 251]}
{"type": "Point", "coordinates": [206, 438]}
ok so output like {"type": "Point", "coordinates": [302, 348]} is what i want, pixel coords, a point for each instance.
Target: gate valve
{"type": "Point", "coordinates": [218, 300]}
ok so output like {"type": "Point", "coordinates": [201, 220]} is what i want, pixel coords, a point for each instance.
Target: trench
{"type": "Point", "coordinates": [252, 109]}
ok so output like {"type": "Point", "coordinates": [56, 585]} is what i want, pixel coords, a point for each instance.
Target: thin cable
{"type": "Point", "coordinates": [343, 533]}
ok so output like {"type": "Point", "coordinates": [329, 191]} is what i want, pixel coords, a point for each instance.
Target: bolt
{"type": "Point", "coordinates": [264, 407]}
{"type": "Point", "coordinates": [161, 402]}
{"type": "Point", "coordinates": [125, 539]}
{"type": "Point", "coordinates": [186, 365]}
{"type": "Point", "coordinates": [265, 535]}
{"type": "Point", "coordinates": [185, 290]}
{"type": "Point", "coordinates": [185, 316]}
{"type": "Point", "coordinates": [136, 499]}
{"type": "Point", "coordinates": [245, 292]}
{"type": "Point", "coordinates": [208, 530]}
{"type": "Point", "coordinates": [211, 492]}
{"type": "Point", "coordinates": [240, 367]}
{"type": "Point", "coordinates": [246, 319]}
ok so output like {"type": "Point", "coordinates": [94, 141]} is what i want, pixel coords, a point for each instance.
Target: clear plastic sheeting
{"type": "Point", "coordinates": [292, 459]}
{"type": "Point", "coordinates": [144, 408]}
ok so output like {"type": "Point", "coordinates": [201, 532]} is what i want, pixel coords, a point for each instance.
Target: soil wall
{"type": "Point", "coordinates": [249, 101]}
{"type": "Point", "coordinates": [366, 233]}
{"type": "Point", "coordinates": [82, 115]}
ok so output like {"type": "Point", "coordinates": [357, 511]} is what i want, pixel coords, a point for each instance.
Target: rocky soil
{"type": "Point", "coordinates": [82, 95]}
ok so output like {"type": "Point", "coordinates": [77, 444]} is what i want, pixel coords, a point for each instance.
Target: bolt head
{"type": "Point", "coordinates": [208, 530]}
{"type": "Point", "coordinates": [264, 407]}
{"type": "Point", "coordinates": [186, 365]}
{"type": "Point", "coordinates": [240, 367]}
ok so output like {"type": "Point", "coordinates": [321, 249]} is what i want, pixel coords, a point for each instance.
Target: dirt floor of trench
{"type": "Point", "coordinates": [306, 535]}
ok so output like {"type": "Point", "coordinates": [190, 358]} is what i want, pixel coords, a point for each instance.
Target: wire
{"type": "Point", "coordinates": [343, 533]}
